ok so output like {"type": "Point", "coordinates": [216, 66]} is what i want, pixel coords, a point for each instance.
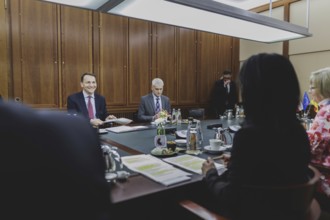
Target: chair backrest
{"type": "Point", "coordinates": [278, 202]}
{"type": "Point", "coordinates": [294, 202]}
{"type": "Point", "coordinates": [197, 113]}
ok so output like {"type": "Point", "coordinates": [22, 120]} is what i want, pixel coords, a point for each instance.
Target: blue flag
{"type": "Point", "coordinates": [305, 101]}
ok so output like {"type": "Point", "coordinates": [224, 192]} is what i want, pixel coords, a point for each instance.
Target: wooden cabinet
{"type": "Point", "coordinates": [214, 56]}
{"type": "Point", "coordinates": [34, 53]}
{"type": "Point", "coordinates": [139, 56]}
{"type": "Point", "coordinates": [112, 59]}
{"type": "Point", "coordinates": [52, 45]}
{"type": "Point", "coordinates": [4, 53]}
{"type": "Point", "coordinates": [76, 48]}
{"type": "Point", "coordinates": [164, 56]}
{"type": "Point", "coordinates": [187, 66]}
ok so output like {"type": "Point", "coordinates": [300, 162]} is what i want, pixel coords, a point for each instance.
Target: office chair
{"type": "Point", "coordinates": [197, 113]}
{"type": "Point", "coordinates": [294, 202]}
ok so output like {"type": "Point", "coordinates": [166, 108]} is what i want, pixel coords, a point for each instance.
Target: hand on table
{"type": "Point", "coordinates": [207, 165]}
{"type": "Point", "coordinates": [110, 117]}
{"type": "Point", "coordinates": [96, 122]}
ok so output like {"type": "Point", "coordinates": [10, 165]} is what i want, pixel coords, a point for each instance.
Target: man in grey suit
{"type": "Point", "coordinates": [153, 103]}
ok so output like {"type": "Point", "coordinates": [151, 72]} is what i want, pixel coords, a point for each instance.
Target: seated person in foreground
{"type": "Point", "coordinates": [88, 103]}
{"type": "Point", "coordinates": [152, 104]}
{"type": "Point", "coordinates": [271, 148]}
{"type": "Point", "coordinates": [51, 166]}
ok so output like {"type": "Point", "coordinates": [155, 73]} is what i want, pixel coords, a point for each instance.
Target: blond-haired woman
{"type": "Point", "coordinates": [319, 132]}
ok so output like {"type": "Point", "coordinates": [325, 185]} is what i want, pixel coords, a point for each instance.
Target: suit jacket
{"type": "Point", "coordinates": [221, 100]}
{"type": "Point", "coordinates": [260, 156]}
{"type": "Point", "coordinates": [147, 107]}
{"type": "Point", "coordinates": [76, 105]}
{"type": "Point", "coordinates": [51, 166]}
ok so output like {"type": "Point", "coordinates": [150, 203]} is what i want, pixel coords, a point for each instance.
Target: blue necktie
{"type": "Point", "coordinates": [157, 105]}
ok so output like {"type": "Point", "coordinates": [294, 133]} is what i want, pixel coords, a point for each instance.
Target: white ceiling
{"type": "Point", "coordinates": [246, 4]}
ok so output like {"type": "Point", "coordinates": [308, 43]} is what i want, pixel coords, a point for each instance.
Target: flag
{"type": "Point", "coordinates": [305, 101]}
{"type": "Point", "coordinates": [316, 106]}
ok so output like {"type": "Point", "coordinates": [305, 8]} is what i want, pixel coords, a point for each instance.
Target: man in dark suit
{"type": "Point", "coordinates": [51, 166]}
{"type": "Point", "coordinates": [224, 95]}
{"type": "Point", "coordinates": [153, 103]}
{"type": "Point", "coordinates": [78, 103]}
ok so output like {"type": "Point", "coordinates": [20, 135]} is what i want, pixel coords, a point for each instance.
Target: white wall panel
{"type": "Point", "coordinates": [304, 64]}
{"type": "Point", "coordinates": [319, 21]}
{"type": "Point", "coordinates": [248, 48]}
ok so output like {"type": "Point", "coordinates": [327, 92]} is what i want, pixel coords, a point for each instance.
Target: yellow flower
{"type": "Point", "coordinates": [163, 114]}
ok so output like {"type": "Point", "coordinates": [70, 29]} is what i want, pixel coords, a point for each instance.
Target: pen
{"type": "Point", "coordinates": [217, 157]}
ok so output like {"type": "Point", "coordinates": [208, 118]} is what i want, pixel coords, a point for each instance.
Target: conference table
{"type": "Point", "coordinates": [140, 191]}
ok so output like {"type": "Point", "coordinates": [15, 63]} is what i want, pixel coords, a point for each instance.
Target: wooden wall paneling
{"type": "Point", "coordinates": [187, 79]}
{"type": "Point", "coordinates": [164, 58]}
{"type": "Point", "coordinates": [235, 62]}
{"type": "Point", "coordinates": [76, 48]}
{"type": "Point", "coordinates": [229, 58]}
{"type": "Point", "coordinates": [35, 71]}
{"type": "Point", "coordinates": [113, 59]}
{"type": "Point", "coordinates": [16, 75]}
{"type": "Point", "coordinates": [96, 52]}
{"type": "Point", "coordinates": [139, 50]}
{"type": "Point", "coordinates": [225, 56]}
{"type": "Point", "coordinates": [4, 53]}
{"type": "Point", "coordinates": [208, 71]}
{"type": "Point", "coordinates": [124, 53]}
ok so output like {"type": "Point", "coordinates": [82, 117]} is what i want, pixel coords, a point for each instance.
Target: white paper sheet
{"type": "Point", "coordinates": [155, 169]}
{"type": "Point", "coordinates": [125, 128]}
{"type": "Point", "coordinates": [122, 121]}
{"type": "Point", "coordinates": [191, 163]}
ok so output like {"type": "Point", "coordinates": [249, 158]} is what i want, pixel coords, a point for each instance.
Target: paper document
{"type": "Point", "coordinates": [122, 121]}
{"type": "Point", "coordinates": [191, 163]}
{"type": "Point", "coordinates": [155, 169]}
{"type": "Point", "coordinates": [125, 128]}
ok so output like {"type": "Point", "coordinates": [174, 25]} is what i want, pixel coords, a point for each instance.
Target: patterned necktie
{"type": "Point", "coordinates": [90, 108]}
{"type": "Point", "coordinates": [157, 105]}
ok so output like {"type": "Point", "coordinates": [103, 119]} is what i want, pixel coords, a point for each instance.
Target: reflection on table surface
{"type": "Point", "coordinates": [137, 142]}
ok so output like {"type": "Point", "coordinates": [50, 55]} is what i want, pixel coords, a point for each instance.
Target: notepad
{"type": "Point", "coordinates": [155, 169]}
{"type": "Point", "coordinates": [125, 128]}
{"type": "Point", "coordinates": [122, 121]}
{"type": "Point", "coordinates": [191, 163]}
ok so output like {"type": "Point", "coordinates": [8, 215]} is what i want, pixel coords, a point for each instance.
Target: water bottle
{"type": "Point", "coordinates": [160, 139]}
{"type": "Point", "coordinates": [199, 134]}
{"type": "Point", "coordinates": [188, 134]}
{"type": "Point", "coordinates": [160, 129]}
{"type": "Point", "coordinates": [193, 140]}
{"type": "Point", "coordinates": [237, 111]}
{"type": "Point", "coordinates": [179, 117]}
{"type": "Point", "coordinates": [173, 118]}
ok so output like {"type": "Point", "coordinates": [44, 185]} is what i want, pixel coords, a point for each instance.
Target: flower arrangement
{"type": "Point", "coordinates": [163, 114]}
{"type": "Point", "coordinates": [162, 117]}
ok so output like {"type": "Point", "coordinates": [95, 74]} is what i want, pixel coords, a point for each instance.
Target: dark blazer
{"type": "Point", "coordinates": [221, 99]}
{"type": "Point", "coordinates": [260, 156]}
{"type": "Point", "coordinates": [76, 105]}
{"type": "Point", "coordinates": [147, 107]}
{"type": "Point", "coordinates": [51, 166]}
